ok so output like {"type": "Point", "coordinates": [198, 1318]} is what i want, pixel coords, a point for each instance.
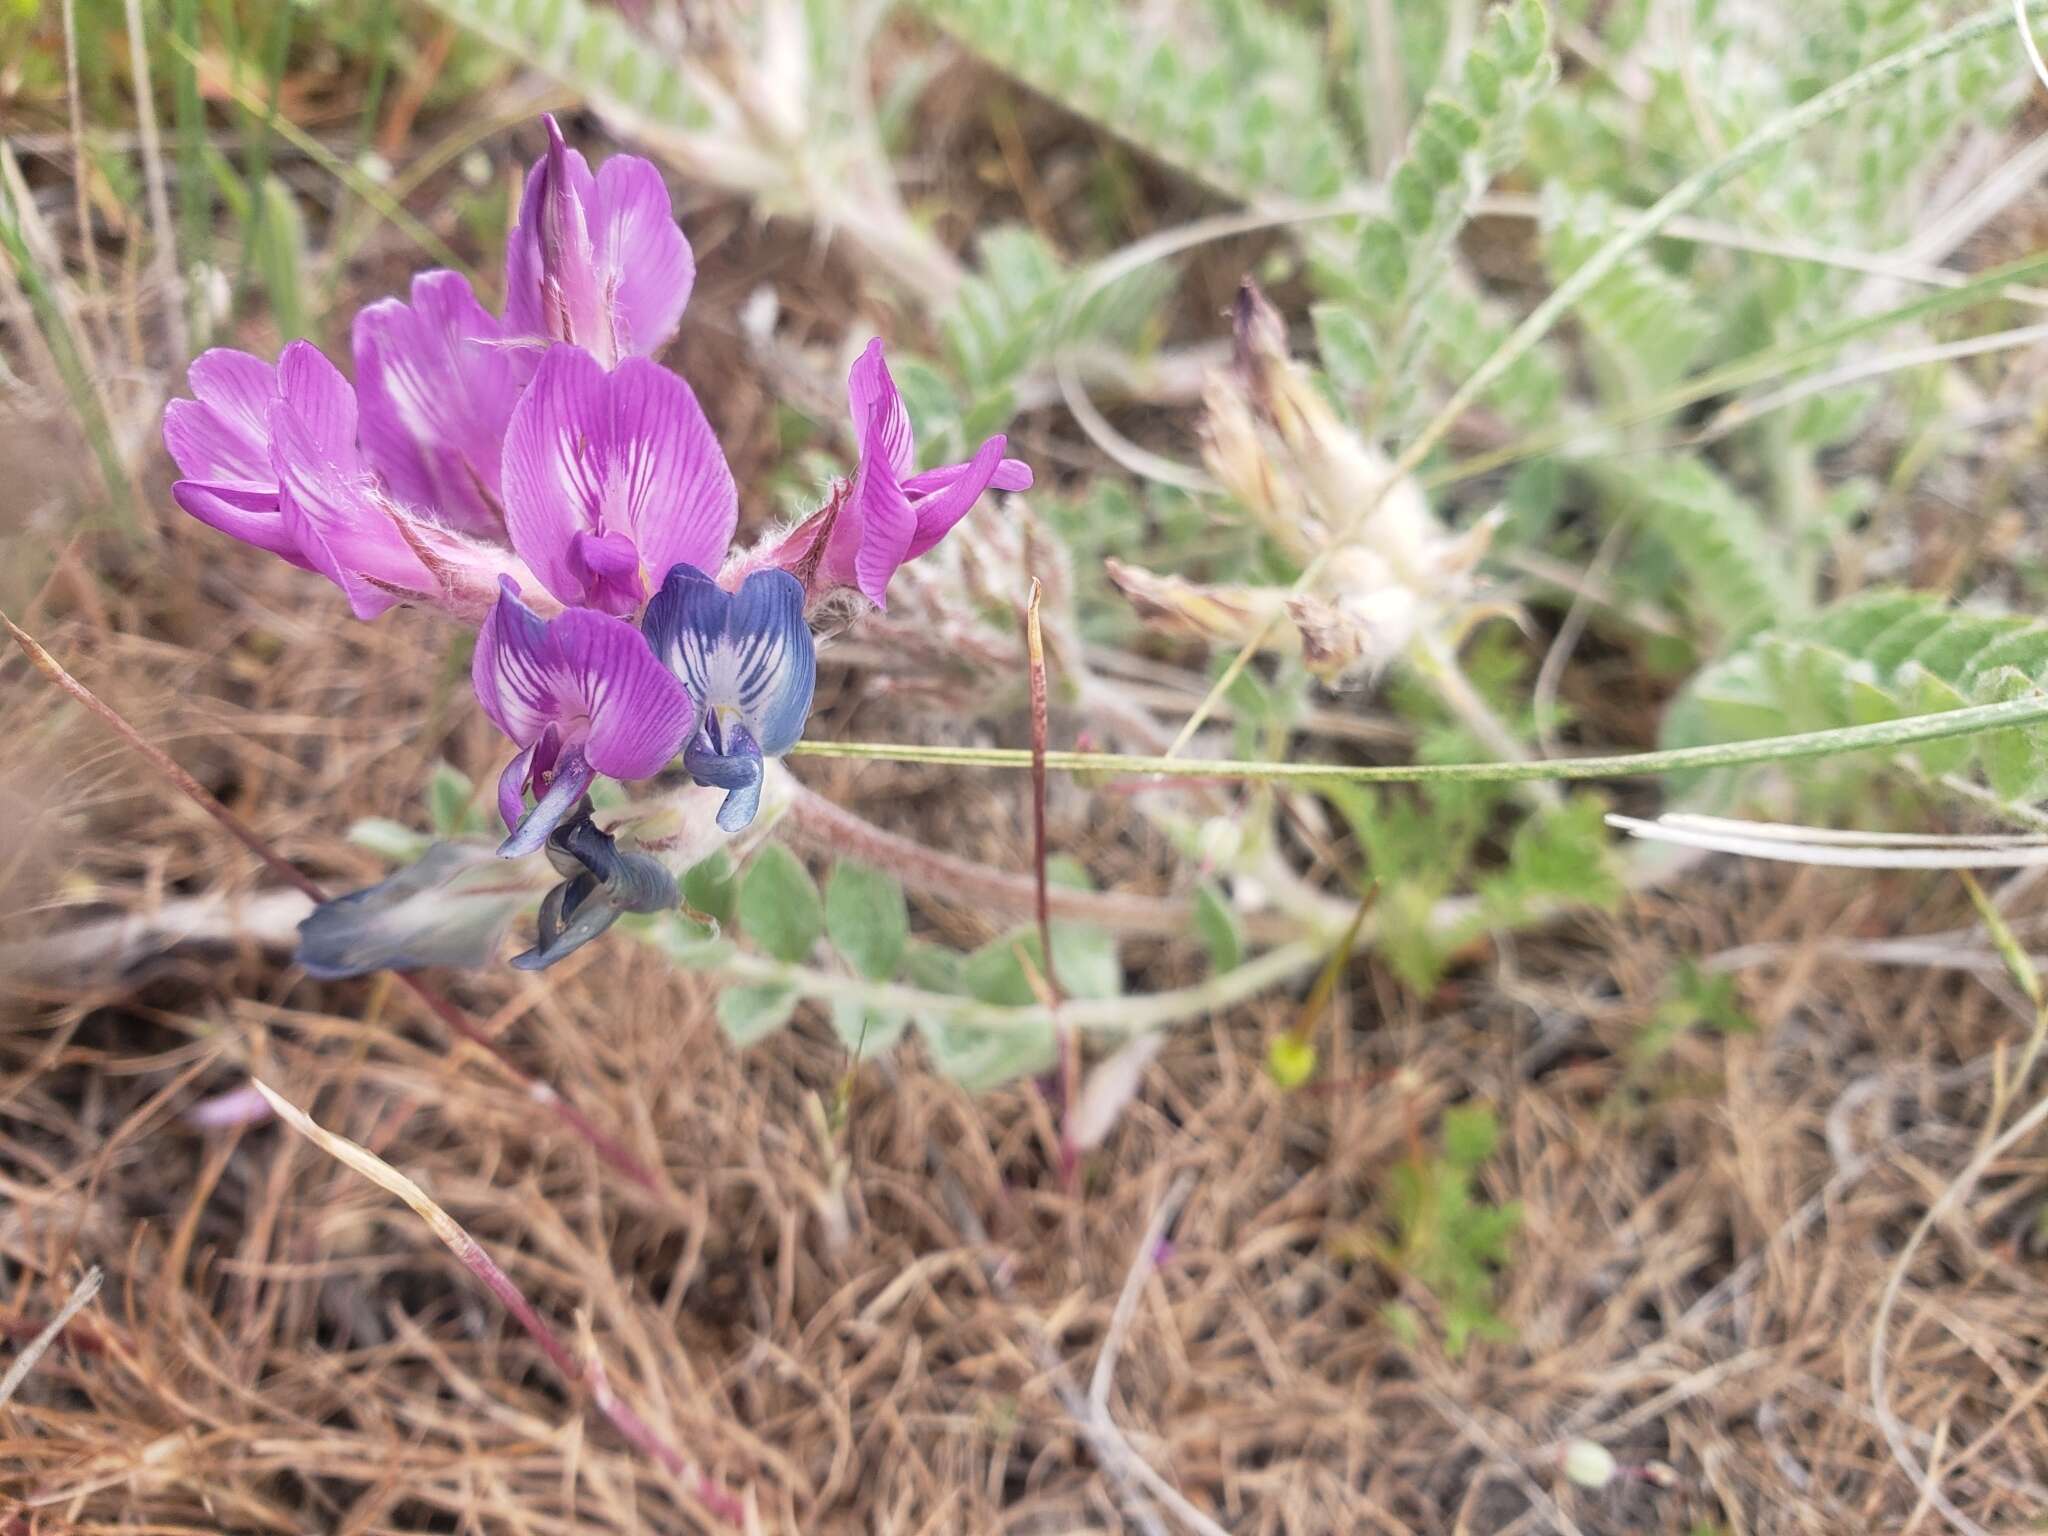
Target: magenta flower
{"type": "Point", "coordinates": [613, 478]}
{"type": "Point", "coordinates": [438, 383]}
{"type": "Point", "coordinates": [580, 695]}
{"type": "Point", "coordinates": [270, 456]}
{"type": "Point", "coordinates": [596, 260]}
{"type": "Point", "coordinates": [887, 515]}
{"type": "Point", "coordinates": [750, 664]}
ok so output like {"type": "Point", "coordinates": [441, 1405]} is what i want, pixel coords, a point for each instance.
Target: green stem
{"type": "Point", "coordinates": [1434, 659]}
{"type": "Point", "coordinates": [1882, 735]}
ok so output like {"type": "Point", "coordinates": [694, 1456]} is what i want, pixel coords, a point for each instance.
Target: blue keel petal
{"type": "Point", "coordinates": [733, 765]}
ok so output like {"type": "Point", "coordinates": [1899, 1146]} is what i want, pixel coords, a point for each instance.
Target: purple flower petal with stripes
{"type": "Point", "coordinates": [581, 694]}
{"type": "Point", "coordinates": [613, 478]}
{"type": "Point", "coordinates": [749, 661]}
{"type": "Point", "coordinates": [597, 261]}
{"type": "Point", "coordinates": [886, 516]}
{"type": "Point", "coordinates": [220, 442]}
{"type": "Point", "coordinates": [271, 458]}
{"type": "Point", "coordinates": [438, 383]}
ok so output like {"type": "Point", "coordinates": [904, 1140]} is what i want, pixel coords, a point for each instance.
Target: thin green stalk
{"type": "Point", "coordinates": [382, 26]}
{"type": "Point", "coordinates": [67, 347]}
{"type": "Point", "coordinates": [263, 115]}
{"type": "Point", "coordinates": [1883, 735]}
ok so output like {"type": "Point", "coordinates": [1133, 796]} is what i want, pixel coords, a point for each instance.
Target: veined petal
{"type": "Point", "coordinates": [328, 504]}
{"type": "Point", "coordinates": [438, 386]}
{"type": "Point", "coordinates": [880, 524]}
{"type": "Point", "coordinates": [1010, 475]}
{"type": "Point", "coordinates": [748, 655]}
{"type": "Point", "coordinates": [624, 453]}
{"type": "Point", "coordinates": [585, 684]}
{"type": "Point", "coordinates": [639, 714]}
{"type": "Point", "coordinates": [950, 498]}
{"type": "Point", "coordinates": [879, 418]}
{"type": "Point", "coordinates": [319, 399]}
{"type": "Point", "coordinates": [223, 434]}
{"type": "Point", "coordinates": [567, 782]}
{"type": "Point", "coordinates": [554, 467]}
{"type": "Point", "coordinates": [220, 442]}
{"type": "Point", "coordinates": [512, 784]}
{"type": "Point", "coordinates": [678, 491]}
{"type": "Point", "coordinates": [245, 510]}
{"type": "Point", "coordinates": [647, 265]}
{"type": "Point", "coordinates": [512, 668]}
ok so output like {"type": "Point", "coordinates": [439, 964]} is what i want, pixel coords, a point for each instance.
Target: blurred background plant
{"type": "Point", "coordinates": [1375, 420]}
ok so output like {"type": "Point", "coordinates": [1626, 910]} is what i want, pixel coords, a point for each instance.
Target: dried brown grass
{"type": "Point", "coordinates": [855, 1326]}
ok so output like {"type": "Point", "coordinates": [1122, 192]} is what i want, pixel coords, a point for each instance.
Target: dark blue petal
{"type": "Point", "coordinates": [610, 883]}
{"type": "Point", "coordinates": [685, 620]}
{"type": "Point", "coordinates": [733, 765]}
{"type": "Point", "coordinates": [775, 659]}
{"type": "Point", "coordinates": [749, 653]}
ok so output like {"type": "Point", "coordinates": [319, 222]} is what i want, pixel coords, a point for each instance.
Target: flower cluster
{"type": "Point", "coordinates": [539, 474]}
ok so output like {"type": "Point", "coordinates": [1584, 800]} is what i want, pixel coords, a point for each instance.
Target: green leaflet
{"type": "Point", "coordinates": [1464, 136]}
{"type": "Point", "coordinates": [1734, 568]}
{"type": "Point", "coordinates": [1878, 656]}
{"type": "Point", "coordinates": [1646, 323]}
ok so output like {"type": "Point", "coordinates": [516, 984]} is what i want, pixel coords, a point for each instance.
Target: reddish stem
{"type": "Point", "coordinates": [708, 1491]}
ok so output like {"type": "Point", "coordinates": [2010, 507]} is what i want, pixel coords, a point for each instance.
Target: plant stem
{"type": "Point", "coordinates": [1438, 665]}
{"type": "Point", "coordinates": [1880, 736]}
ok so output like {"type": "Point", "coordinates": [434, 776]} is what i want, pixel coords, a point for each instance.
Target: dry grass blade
{"type": "Point", "coordinates": [706, 1490]}
{"type": "Point", "coordinates": [81, 1295]}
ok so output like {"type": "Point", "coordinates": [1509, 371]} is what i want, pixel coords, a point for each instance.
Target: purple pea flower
{"type": "Point", "coordinates": [613, 478]}
{"type": "Point", "coordinates": [270, 456]}
{"type": "Point", "coordinates": [748, 660]}
{"type": "Point", "coordinates": [580, 695]}
{"type": "Point", "coordinates": [887, 515]}
{"type": "Point", "coordinates": [596, 260]}
{"type": "Point", "coordinates": [438, 382]}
